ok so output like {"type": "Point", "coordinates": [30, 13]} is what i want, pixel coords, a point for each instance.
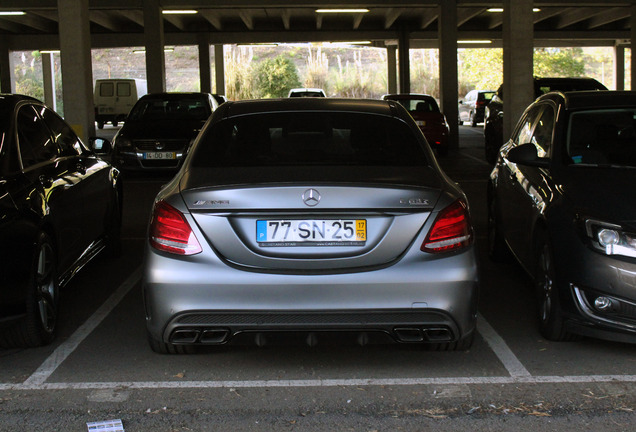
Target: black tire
{"type": "Point", "coordinates": [100, 125]}
{"type": "Point", "coordinates": [39, 325]}
{"type": "Point", "coordinates": [161, 347]}
{"type": "Point", "coordinates": [498, 250]}
{"type": "Point", "coordinates": [551, 322]}
{"type": "Point", "coordinates": [115, 123]}
{"type": "Point", "coordinates": [473, 120]}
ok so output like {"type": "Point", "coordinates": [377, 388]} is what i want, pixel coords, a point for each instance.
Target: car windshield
{"type": "Point", "coordinates": [309, 138]}
{"type": "Point", "coordinates": [174, 109]}
{"type": "Point", "coordinates": [487, 95]}
{"type": "Point", "coordinates": [603, 137]}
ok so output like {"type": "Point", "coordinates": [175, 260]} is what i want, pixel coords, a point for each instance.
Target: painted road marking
{"type": "Point", "coordinates": [518, 373]}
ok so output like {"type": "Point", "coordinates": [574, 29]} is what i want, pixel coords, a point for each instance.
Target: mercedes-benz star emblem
{"type": "Point", "coordinates": [159, 145]}
{"type": "Point", "coordinates": [311, 197]}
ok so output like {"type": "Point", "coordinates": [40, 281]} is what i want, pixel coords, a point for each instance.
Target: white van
{"type": "Point", "coordinates": [114, 97]}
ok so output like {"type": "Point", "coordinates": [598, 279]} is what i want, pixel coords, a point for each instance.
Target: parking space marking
{"type": "Point", "coordinates": [518, 374]}
{"type": "Point", "coordinates": [60, 354]}
{"type": "Point", "coordinates": [505, 355]}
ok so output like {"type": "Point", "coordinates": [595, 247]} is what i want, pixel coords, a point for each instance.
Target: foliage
{"type": "Point", "coordinates": [424, 72]}
{"type": "Point", "coordinates": [275, 77]}
{"type": "Point", "coordinates": [239, 84]}
{"type": "Point", "coordinates": [479, 68]}
{"type": "Point", "coordinates": [559, 62]}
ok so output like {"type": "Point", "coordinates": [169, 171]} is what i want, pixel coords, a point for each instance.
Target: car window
{"type": "Point", "coordinates": [123, 89]}
{"type": "Point", "coordinates": [309, 138]}
{"type": "Point", "coordinates": [523, 132]}
{"type": "Point", "coordinates": [34, 138]}
{"type": "Point", "coordinates": [542, 134]}
{"type": "Point", "coordinates": [606, 136]}
{"type": "Point", "coordinates": [65, 138]}
{"type": "Point", "coordinates": [162, 109]}
{"type": "Point", "coordinates": [107, 89]}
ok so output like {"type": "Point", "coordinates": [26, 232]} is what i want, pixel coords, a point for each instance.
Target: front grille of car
{"type": "Point", "coordinates": [160, 145]}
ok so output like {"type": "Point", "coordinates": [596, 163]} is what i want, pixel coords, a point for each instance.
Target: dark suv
{"type": "Point", "coordinates": [493, 121]}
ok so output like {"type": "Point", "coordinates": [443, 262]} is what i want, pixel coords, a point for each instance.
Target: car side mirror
{"type": "Point", "coordinates": [100, 146]}
{"type": "Point", "coordinates": [526, 154]}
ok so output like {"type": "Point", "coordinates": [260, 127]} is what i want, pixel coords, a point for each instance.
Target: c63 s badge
{"type": "Point", "coordinates": [211, 202]}
{"type": "Point", "coordinates": [415, 201]}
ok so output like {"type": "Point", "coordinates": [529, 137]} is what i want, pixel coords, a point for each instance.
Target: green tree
{"type": "Point", "coordinates": [480, 68]}
{"type": "Point", "coordinates": [274, 77]}
{"type": "Point", "coordinates": [559, 62]}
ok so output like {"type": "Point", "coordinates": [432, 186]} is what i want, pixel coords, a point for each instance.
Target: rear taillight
{"type": "Point", "coordinates": [451, 230]}
{"type": "Point", "coordinates": [170, 232]}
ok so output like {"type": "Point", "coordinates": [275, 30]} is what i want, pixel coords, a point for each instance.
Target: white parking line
{"type": "Point", "coordinates": [501, 349]}
{"type": "Point", "coordinates": [518, 374]}
{"type": "Point", "coordinates": [60, 354]}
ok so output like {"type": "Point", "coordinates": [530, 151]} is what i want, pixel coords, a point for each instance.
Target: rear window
{"type": "Point", "coordinates": [171, 109]}
{"type": "Point", "coordinates": [309, 138]}
{"type": "Point", "coordinates": [419, 105]}
{"type": "Point", "coordinates": [107, 89]}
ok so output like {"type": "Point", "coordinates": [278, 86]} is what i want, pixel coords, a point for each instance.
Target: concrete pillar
{"type": "Point", "coordinates": [205, 66]}
{"type": "Point", "coordinates": [619, 67]}
{"type": "Point", "coordinates": [391, 61]}
{"type": "Point", "coordinates": [154, 40]}
{"type": "Point", "coordinates": [219, 69]}
{"type": "Point", "coordinates": [77, 75]}
{"type": "Point", "coordinates": [48, 75]}
{"type": "Point", "coordinates": [518, 47]}
{"type": "Point", "coordinates": [7, 78]}
{"type": "Point", "coordinates": [448, 75]}
{"type": "Point", "coordinates": [632, 22]}
{"type": "Point", "coordinates": [405, 62]}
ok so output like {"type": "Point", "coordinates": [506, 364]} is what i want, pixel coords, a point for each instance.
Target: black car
{"type": "Point", "coordinates": [59, 207]}
{"type": "Point", "coordinates": [561, 197]}
{"type": "Point", "coordinates": [493, 114]}
{"type": "Point", "coordinates": [160, 129]}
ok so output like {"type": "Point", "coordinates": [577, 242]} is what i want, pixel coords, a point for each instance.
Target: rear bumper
{"type": "Point", "coordinates": [211, 303]}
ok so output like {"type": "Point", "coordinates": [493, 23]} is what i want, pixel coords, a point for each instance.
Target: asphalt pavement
{"type": "Point", "coordinates": [101, 368]}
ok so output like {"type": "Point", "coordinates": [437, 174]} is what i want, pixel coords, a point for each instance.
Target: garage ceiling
{"type": "Point", "coordinates": [120, 22]}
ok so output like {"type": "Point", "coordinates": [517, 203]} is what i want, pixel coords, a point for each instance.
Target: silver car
{"type": "Point", "coordinates": [309, 216]}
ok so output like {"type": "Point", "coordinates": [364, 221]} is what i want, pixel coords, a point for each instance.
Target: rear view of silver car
{"type": "Point", "coordinates": [310, 216]}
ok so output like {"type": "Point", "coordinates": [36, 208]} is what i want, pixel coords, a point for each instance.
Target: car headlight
{"type": "Point", "coordinates": [122, 143]}
{"type": "Point", "coordinates": [611, 239]}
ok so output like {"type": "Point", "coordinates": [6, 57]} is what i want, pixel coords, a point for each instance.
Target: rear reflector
{"type": "Point", "coordinates": [170, 231]}
{"type": "Point", "coordinates": [451, 230]}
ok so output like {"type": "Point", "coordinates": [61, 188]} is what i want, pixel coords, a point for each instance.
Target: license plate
{"type": "Point", "coordinates": [311, 232]}
{"type": "Point", "coordinates": [159, 155]}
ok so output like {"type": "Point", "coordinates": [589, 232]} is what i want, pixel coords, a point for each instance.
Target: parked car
{"type": "Point", "coordinates": [160, 129]}
{"type": "Point", "coordinates": [60, 205]}
{"type": "Point", "coordinates": [561, 198]}
{"type": "Point", "coordinates": [306, 92]}
{"type": "Point", "coordinates": [114, 98]}
{"type": "Point", "coordinates": [310, 215]}
{"type": "Point", "coordinates": [426, 113]}
{"type": "Point", "coordinates": [471, 107]}
{"type": "Point", "coordinates": [493, 122]}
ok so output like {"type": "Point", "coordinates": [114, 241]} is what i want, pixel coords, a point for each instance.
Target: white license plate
{"type": "Point", "coordinates": [311, 232]}
{"type": "Point", "coordinates": [159, 155]}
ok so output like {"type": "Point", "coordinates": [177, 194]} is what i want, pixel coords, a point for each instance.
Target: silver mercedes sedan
{"type": "Point", "coordinates": [310, 216]}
